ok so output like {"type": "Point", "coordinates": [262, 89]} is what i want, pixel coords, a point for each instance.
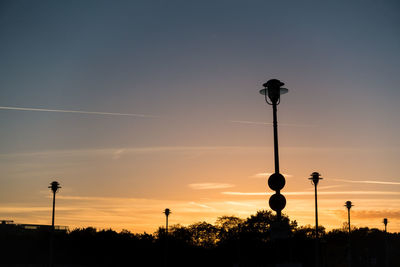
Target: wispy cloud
{"type": "Point", "coordinates": [253, 122]}
{"type": "Point", "coordinates": [325, 187]}
{"type": "Point", "coordinates": [267, 174]}
{"type": "Point", "coordinates": [305, 193]}
{"type": "Point", "coordinates": [366, 182]}
{"type": "Point", "coordinates": [78, 111]}
{"type": "Point", "coordinates": [199, 205]}
{"type": "Point", "coordinates": [369, 214]}
{"type": "Point", "coordinates": [269, 123]}
{"type": "Point", "coordinates": [246, 193]}
{"type": "Point", "coordinates": [118, 153]}
{"type": "Point", "coordinates": [203, 186]}
{"type": "Point", "coordinates": [243, 204]}
{"type": "Point", "coordinates": [92, 198]}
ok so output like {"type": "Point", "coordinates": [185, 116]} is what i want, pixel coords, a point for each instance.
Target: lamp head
{"type": "Point", "coordinates": [167, 212]}
{"type": "Point", "coordinates": [273, 90]}
{"type": "Point", "coordinates": [348, 204]}
{"type": "Point", "coordinates": [315, 177]}
{"type": "Point", "coordinates": [54, 186]}
{"type": "Point", "coordinates": [385, 221]}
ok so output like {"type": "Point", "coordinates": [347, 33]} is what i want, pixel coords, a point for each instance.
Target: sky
{"type": "Point", "coordinates": [138, 106]}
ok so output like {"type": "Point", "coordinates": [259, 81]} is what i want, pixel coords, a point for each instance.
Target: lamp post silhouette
{"type": "Point", "coordinates": [54, 186]}
{"type": "Point", "coordinates": [348, 205]}
{"type": "Point", "coordinates": [315, 177]}
{"type": "Point", "coordinates": [385, 222]}
{"type": "Point", "coordinates": [272, 92]}
{"type": "Point", "coordinates": [167, 212]}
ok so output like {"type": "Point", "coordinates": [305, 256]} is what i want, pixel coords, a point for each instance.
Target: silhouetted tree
{"type": "Point", "coordinates": [204, 234]}
{"type": "Point", "coordinates": [231, 240]}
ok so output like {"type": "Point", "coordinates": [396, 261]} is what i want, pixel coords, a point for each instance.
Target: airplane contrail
{"type": "Point", "coordinates": [79, 111]}
{"type": "Point", "coordinates": [270, 123]}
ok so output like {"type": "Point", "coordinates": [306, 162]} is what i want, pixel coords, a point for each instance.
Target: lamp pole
{"type": "Point", "coordinates": [315, 177]}
{"type": "Point", "coordinates": [167, 212]}
{"type": "Point", "coordinates": [385, 222]}
{"type": "Point", "coordinates": [272, 92]}
{"type": "Point", "coordinates": [348, 205]}
{"type": "Point", "coordinates": [54, 186]}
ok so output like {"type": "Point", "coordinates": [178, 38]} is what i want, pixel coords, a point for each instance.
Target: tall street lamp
{"type": "Point", "coordinates": [54, 186]}
{"type": "Point", "coordinates": [272, 92]}
{"type": "Point", "coordinates": [167, 212]}
{"type": "Point", "coordinates": [315, 177]}
{"type": "Point", "coordinates": [348, 205]}
{"type": "Point", "coordinates": [385, 222]}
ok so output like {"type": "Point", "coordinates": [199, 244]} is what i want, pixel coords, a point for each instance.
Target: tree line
{"type": "Point", "coordinates": [230, 241]}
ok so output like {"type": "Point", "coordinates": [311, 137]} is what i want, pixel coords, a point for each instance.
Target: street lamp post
{"type": "Point", "coordinates": [54, 186]}
{"type": "Point", "coordinates": [385, 222]}
{"type": "Point", "coordinates": [167, 212]}
{"type": "Point", "coordinates": [348, 205]}
{"type": "Point", "coordinates": [315, 177]}
{"type": "Point", "coordinates": [272, 92]}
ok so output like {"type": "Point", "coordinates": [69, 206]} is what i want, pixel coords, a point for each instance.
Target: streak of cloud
{"type": "Point", "coordinates": [199, 205]}
{"type": "Point", "coordinates": [203, 186]}
{"type": "Point", "coordinates": [325, 187]}
{"type": "Point", "coordinates": [312, 193]}
{"type": "Point", "coordinates": [269, 123]}
{"type": "Point", "coordinates": [369, 214]}
{"type": "Point", "coordinates": [235, 203]}
{"type": "Point", "coordinates": [78, 112]}
{"type": "Point", "coordinates": [117, 154]}
{"type": "Point", "coordinates": [267, 174]}
{"type": "Point", "coordinates": [366, 182]}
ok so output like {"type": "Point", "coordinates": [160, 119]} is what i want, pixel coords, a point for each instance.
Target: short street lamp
{"type": "Point", "coordinates": [385, 222]}
{"type": "Point", "coordinates": [272, 92]}
{"type": "Point", "coordinates": [348, 205]}
{"type": "Point", "coordinates": [167, 212]}
{"type": "Point", "coordinates": [315, 177]}
{"type": "Point", "coordinates": [54, 186]}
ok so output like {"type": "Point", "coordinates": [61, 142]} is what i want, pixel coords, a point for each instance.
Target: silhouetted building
{"type": "Point", "coordinates": [10, 226]}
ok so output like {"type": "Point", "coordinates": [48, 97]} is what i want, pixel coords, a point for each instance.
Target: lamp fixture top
{"type": "Point", "coordinates": [315, 177]}
{"type": "Point", "coordinates": [273, 90]}
{"type": "Point", "coordinates": [348, 204]}
{"type": "Point", "coordinates": [54, 186]}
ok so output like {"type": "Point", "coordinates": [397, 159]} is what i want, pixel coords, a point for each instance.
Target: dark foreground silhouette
{"type": "Point", "coordinates": [231, 241]}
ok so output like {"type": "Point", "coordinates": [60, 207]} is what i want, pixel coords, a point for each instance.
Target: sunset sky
{"type": "Point", "coordinates": [138, 106]}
